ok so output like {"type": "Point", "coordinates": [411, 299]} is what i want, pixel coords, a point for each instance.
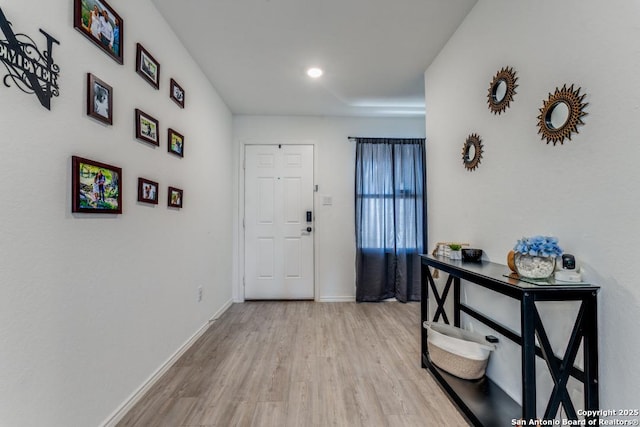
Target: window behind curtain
{"type": "Point", "coordinates": [389, 218]}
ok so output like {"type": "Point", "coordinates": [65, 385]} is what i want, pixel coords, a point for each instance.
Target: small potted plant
{"type": "Point", "coordinates": [455, 251]}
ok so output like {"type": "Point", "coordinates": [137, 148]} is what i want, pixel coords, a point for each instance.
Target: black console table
{"type": "Point", "coordinates": [483, 402]}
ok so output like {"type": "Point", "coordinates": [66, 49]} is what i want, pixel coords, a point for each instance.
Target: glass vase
{"type": "Point", "coordinates": [534, 267]}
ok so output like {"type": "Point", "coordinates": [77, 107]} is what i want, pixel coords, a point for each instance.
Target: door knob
{"type": "Point", "coordinates": [309, 229]}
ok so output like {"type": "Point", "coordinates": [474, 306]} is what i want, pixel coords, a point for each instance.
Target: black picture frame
{"type": "Point", "coordinates": [175, 143]}
{"type": "Point", "coordinates": [148, 191]}
{"type": "Point", "coordinates": [175, 197]}
{"type": "Point", "coordinates": [83, 21]}
{"type": "Point", "coordinates": [176, 93]}
{"type": "Point", "coordinates": [91, 193]}
{"type": "Point", "coordinates": [99, 99]}
{"type": "Point", "coordinates": [147, 66]}
{"type": "Point", "coordinates": [147, 128]}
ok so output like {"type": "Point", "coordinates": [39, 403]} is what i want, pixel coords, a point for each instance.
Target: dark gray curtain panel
{"type": "Point", "coordinates": [390, 218]}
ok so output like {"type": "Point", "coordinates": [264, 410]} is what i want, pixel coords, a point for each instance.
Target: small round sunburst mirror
{"type": "Point", "coordinates": [472, 152]}
{"type": "Point", "coordinates": [501, 90]}
{"type": "Point", "coordinates": [561, 114]}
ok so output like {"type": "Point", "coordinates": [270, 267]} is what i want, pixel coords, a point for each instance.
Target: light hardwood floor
{"type": "Point", "coordinates": [301, 364]}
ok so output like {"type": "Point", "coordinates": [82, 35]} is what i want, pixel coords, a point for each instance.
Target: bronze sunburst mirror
{"type": "Point", "coordinates": [501, 90]}
{"type": "Point", "coordinates": [561, 114]}
{"type": "Point", "coordinates": [472, 152]}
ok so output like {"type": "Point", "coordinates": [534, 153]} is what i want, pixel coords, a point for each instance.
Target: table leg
{"type": "Point", "coordinates": [590, 348]}
{"type": "Point", "coordinates": [527, 325]}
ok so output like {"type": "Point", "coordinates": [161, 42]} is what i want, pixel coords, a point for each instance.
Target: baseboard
{"type": "Point", "coordinates": [119, 413]}
{"type": "Point", "coordinates": [220, 312]}
{"type": "Point", "coordinates": [337, 299]}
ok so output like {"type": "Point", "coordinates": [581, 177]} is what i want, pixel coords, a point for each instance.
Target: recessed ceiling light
{"type": "Point", "coordinates": [314, 72]}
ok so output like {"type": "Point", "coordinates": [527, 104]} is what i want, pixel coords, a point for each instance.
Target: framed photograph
{"type": "Point", "coordinates": [100, 23]}
{"type": "Point", "coordinates": [99, 99]}
{"type": "Point", "coordinates": [147, 66]}
{"type": "Point", "coordinates": [175, 197]}
{"type": "Point", "coordinates": [176, 93]}
{"type": "Point", "coordinates": [147, 128]}
{"type": "Point", "coordinates": [147, 191]}
{"type": "Point", "coordinates": [95, 187]}
{"type": "Point", "coordinates": [176, 143]}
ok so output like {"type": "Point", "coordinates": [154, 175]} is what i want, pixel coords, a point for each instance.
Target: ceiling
{"type": "Point", "coordinates": [374, 52]}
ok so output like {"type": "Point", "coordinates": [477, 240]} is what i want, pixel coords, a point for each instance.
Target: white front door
{"type": "Point", "coordinates": [278, 238]}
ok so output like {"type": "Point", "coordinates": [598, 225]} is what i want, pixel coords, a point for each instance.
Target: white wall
{"type": "Point", "coordinates": [334, 174]}
{"type": "Point", "coordinates": [92, 305]}
{"type": "Point", "coordinates": [585, 192]}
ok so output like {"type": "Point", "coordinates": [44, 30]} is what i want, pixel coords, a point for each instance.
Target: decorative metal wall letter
{"type": "Point", "coordinates": [32, 71]}
{"type": "Point", "coordinates": [472, 151]}
{"type": "Point", "coordinates": [561, 114]}
{"type": "Point", "coordinates": [501, 90]}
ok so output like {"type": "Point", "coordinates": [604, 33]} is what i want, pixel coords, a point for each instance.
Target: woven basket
{"type": "Point", "coordinates": [462, 353]}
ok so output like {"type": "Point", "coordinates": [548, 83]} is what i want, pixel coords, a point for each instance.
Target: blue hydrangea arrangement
{"type": "Point", "coordinates": [543, 246]}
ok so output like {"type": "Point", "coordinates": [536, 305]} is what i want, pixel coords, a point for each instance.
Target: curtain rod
{"type": "Point", "coordinates": [353, 138]}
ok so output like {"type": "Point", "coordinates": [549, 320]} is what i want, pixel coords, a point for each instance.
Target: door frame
{"type": "Point", "coordinates": [238, 288]}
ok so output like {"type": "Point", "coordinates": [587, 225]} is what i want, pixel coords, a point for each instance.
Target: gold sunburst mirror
{"type": "Point", "coordinates": [501, 90]}
{"type": "Point", "coordinates": [561, 114]}
{"type": "Point", "coordinates": [472, 152]}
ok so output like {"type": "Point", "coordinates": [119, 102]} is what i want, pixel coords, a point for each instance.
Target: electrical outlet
{"type": "Point", "coordinates": [199, 293]}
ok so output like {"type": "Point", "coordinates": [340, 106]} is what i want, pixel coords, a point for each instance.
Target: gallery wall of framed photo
{"type": "Point", "coordinates": [103, 26]}
{"type": "Point", "coordinates": [94, 280]}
